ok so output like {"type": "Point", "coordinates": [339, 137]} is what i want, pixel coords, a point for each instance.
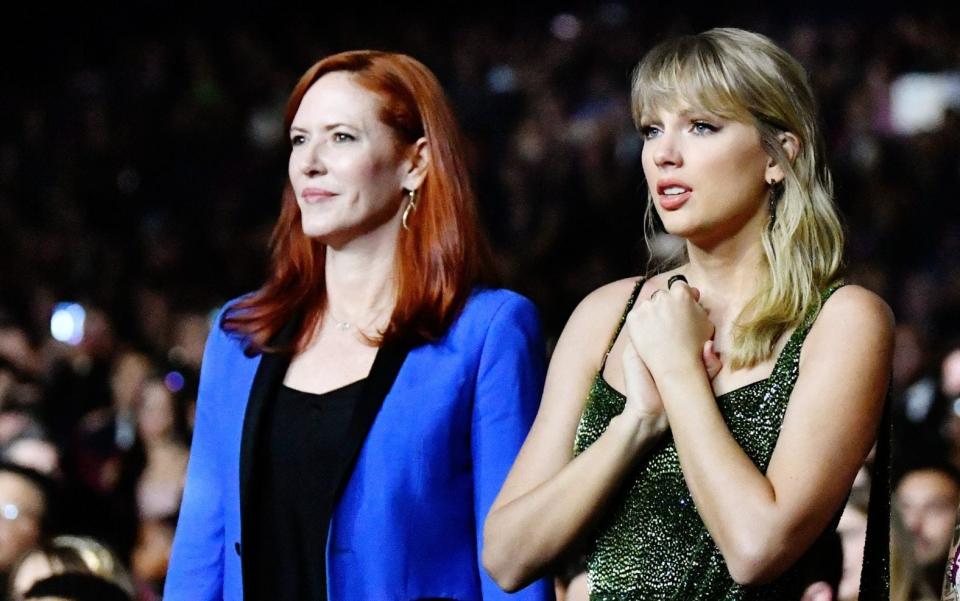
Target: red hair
{"type": "Point", "coordinates": [439, 259]}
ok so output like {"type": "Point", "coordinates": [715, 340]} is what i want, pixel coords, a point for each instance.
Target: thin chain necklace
{"type": "Point", "coordinates": [345, 325]}
{"type": "Point", "coordinates": [341, 325]}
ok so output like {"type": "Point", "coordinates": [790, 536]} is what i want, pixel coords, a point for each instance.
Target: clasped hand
{"type": "Point", "coordinates": [668, 333]}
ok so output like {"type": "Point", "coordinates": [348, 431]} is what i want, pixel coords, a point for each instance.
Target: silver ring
{"type": "Point", "coordinates": [676, 278]}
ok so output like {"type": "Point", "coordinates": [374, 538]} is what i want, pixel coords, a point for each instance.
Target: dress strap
{"type": "Point", "coordinates": [623, 318]}
{"type": "Point", "coordinates": [811, 317]}
{"type": "Point", "coordinates": [789, 358]}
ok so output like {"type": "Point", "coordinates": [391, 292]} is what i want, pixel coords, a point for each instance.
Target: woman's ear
{"type": "Point", "coordinates": [791, 148]}
{"type": "Point", "coordinates": [418, 159]}
{"type": "Point", "coordinates": [790, 144]}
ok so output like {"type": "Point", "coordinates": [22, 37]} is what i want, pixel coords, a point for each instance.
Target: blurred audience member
{"type": "Point", "coordinates": [23, 513]}
{"type": "Point", "coordinates": [853, 532]}
{"type": "Point", "coordinates": [919, 405]}
{"type": "Point", "coordinates": [160, 425]}
{"type": "Point", "coordinates": [151, 555]}
{"type": "Point", "coordinates": [927, 498]}
{"type": "Point", "coordinates": [189, 338]}
{"type": "Point", "coordinates": [151, 236]}
{"type": "Point", "coordinates": [70, 555]}
{"type": "Point", "coordinates": [36, 453]}
{"type": "Point", "coordinates": [907, 581]}
{"type": "Point", "coordinates": [75, 586]}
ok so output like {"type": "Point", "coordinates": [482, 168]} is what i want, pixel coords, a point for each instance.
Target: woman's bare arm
{"type": "Point", "coordinates": [763, 522]}
{"type": "Point", "coordinates": [550, 498]}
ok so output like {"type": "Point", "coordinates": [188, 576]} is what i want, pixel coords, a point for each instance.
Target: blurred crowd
{"type": "Point", "coordinates": [141, 165]}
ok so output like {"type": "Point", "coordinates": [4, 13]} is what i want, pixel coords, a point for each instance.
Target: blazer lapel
{"type": "Point", "coordinates": [386, 366]}
{"type": "Point", "coordinates": [269, 377]}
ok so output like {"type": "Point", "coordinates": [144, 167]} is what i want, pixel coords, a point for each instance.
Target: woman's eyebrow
{"type": "Point", "coordinates": [328, 127]}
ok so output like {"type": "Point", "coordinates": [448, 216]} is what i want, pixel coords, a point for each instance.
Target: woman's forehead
{"type": "Point", "coordinates": [687, 86]}
{"type": "Point", "coordinates": [338, 96]}
{"type": "Point", "coordinates": [651, 107]}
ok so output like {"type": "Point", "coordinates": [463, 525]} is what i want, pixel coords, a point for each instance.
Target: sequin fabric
{"type": "Point", "coordinates": [653, 544]}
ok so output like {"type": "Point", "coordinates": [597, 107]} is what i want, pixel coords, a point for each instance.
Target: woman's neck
{"type": "Point", "coordinates": [729, 268]}
{"type": "Point", "coordinates": [361, 281]}
{"type": "Point", "coordinates": [727, 276]}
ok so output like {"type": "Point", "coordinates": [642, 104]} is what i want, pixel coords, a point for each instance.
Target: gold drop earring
{"type": "Point", "coordinates": [410, 208]}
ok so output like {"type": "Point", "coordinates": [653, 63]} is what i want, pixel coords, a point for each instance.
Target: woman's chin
{"type": "Point", "coordinates": [682, 228]}
{"type": "Point", "coordinates": [320, 229]}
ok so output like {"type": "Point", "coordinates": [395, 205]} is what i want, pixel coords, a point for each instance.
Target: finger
{"type": "Point", "coordinates": [682, 289]}
{"type": "Point", "coordinates": [630, 325]}
{"type": "Point", "coordinates": [632, 364]}
{"type": "Point", "coordinates": [653, 295]}
{"type": "Point", "coordinates": [679, 277]}
{"type": "Point", "coordinates": [711, 360]}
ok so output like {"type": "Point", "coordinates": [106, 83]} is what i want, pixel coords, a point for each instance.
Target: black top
{"type": "Point", "coordinates": [300, 456]}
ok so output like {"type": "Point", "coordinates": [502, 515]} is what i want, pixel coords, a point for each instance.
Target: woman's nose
{"type": "Point", "coordinates": [667, 151]}
{"type": "Point", "coordinates": [311, 162]}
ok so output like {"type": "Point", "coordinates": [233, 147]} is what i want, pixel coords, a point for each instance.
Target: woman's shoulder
{"type": "Point", "coordinates": [222, 338]}
{"type": "Point", "coordinates": [596, 317]}
{"type": "Point", "coordinates": [853, 313]}
{"type": "Point", "coordinates": [858, 307]}
{"type": "Point", "coordinates": [232, 305]}
{"type": "Point", "coordinates": [505, 316]}
{"type": "Point", "coordinates": [607, 303]}
{"type": "Point", "coordinates": [488, 310]}
{"type": "Point", "coordinates": [484, 303]}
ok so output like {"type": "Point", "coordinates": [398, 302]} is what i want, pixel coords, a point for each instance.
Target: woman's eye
{"type": "Point", "coordinates": [649, 131]}
{"type": "Point", "coordinates": [297, 140]}
{"type": "Point", "coordinates": [342, 137]}
{"type": "Point", "coordinates": [703, 127]}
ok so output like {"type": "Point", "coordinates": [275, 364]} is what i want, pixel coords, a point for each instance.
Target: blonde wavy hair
{"type": "Point", "coordinates": [67, 554]}
{"type": "Point", "coordinates": [744, 76]}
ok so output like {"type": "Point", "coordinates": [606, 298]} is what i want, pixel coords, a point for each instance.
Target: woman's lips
{"type": "Point", "coordinates": [672, 194]}
{"type": "Point", "coordinates": [315, 195]}
{"type": "Point", "coordinates": [672, 202]}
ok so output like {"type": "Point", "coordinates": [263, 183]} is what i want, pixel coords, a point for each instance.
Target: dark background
{"type": "Point", "coordinates": [141, 163]}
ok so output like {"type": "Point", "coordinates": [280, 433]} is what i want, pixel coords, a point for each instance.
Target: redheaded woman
{"type": "Point", "coordinates": [359, 412]}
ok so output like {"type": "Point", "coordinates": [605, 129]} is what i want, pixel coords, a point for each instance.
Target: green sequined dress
{"type": "Point", "coordinates": [653, 544]}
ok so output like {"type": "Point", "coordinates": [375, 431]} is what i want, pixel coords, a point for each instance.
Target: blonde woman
{"type": "Point", "coordinates": [700, 428]}
{"type": "Point", "coordinates": [69, 555]}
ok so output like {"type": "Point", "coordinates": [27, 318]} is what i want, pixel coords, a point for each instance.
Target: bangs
{"type": "Point", "coordinates": [686, 73]}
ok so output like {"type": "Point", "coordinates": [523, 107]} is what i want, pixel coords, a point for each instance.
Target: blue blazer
{"type": "Point", "coordinates": [443, 421]}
